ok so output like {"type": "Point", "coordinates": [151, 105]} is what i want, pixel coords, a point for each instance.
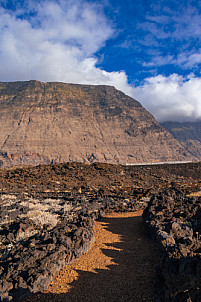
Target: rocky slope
{"type": "Point", "coordinates": [188, 134]}
{"type": "Point", "coordinates": [57, 122]}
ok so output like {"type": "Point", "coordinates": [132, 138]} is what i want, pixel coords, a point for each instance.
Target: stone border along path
{"type": "Point", "coordinates": [120, 266]}
{"type": "Point", "coordinates": [173, 218]}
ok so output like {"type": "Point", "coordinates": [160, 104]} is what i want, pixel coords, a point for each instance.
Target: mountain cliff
{"type": "Point", "coordinates": [57, 122]}
{"type": "Point", "coordinates": [188, 134]}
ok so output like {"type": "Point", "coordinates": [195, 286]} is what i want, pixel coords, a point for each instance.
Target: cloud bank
{"type": "Point", "coordinates": [54, 41]}
{"type": "Point", "coordinates": [173, 98]}
{"type": "Point", "coordinates": [58, 40]}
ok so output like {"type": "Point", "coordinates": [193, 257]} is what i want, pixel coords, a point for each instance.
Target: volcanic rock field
{"type": "Point", "coordinates": [48, 213]}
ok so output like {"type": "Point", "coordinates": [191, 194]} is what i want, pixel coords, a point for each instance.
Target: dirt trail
{"type": "Point", "coordinates": [120, 266]}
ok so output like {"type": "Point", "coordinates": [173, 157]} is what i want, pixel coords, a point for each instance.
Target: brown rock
{"type": "Point", "coordinates": [57, 122]}
{"type": "Point", "coordinates": [188, 134]}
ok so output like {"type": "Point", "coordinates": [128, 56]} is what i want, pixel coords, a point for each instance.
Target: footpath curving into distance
{"type": "Point", "coordinates": [121, 265]}
{"type": "Point", "coordinates": [173, 218]}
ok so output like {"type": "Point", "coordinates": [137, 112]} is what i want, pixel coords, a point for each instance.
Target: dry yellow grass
{"type": "Point", "coordinates": [195, 194]}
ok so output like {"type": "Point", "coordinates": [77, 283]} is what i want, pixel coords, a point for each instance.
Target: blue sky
{"type": "Point", "coordinates": [150, 50]}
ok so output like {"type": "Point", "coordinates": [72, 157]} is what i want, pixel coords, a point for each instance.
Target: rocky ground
{"type": "Point", "coordinates": [174, 219]}
{"type": "Point", "coordinates": [48, 213]}
{"type": "Point", "coordinates": [39, 236]}
{"type": "Point", "coordinates": [97, 179]}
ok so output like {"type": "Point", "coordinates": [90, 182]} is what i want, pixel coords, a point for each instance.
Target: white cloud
{"type": "Point", "coordinates": [175, 33]}
{"type": "Point", "coordinates": [178, 23]}
{"type": "Point", "coordinates": [56, 42]}
{"type": "Point", "coordinates": [159, 61]}
{"type": "Point", "coordinates": [189, 59]}
{"type": "Point", "coordinates": [174, 98]}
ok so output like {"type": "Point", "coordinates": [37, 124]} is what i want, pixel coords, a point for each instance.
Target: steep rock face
{"type": "Point", "coordinates": [57, 122]}
{"type": "Point", "coordinates": [188, 134]}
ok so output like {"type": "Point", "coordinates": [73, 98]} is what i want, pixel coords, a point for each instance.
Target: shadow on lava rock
{"type": "Point", "coordinates": [129, 277]}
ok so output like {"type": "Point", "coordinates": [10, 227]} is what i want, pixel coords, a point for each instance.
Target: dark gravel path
{"type": "Point", "coordinates": [121, 266]}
